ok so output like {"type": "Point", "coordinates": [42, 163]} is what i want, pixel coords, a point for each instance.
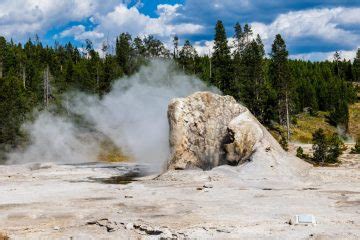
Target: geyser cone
{"type": "Point", "coordinates": [208, 130]}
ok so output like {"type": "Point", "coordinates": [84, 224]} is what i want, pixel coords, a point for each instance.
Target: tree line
{"type": "Point", "coordinates": [274, 88]}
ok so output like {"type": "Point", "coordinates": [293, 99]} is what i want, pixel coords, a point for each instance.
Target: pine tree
{"type": "Point", "coordinates": [326, 149]}
{"type": "Point", "coordinates": [187, 57]}
{"type": "Point", "coordinates": [111, 71]}
{"type": "Point", "coordinates": [336, 60]}
{"type": "Point", "coordinates": [176, 46]}
{"type": "Point", "coordinates": [356, 66]}
{"type": "Point", "coordinates": [138, 46]}
{"type": "Point", "coordinates": [89, 47]}
{"type": "Point", "coordinates": [348, 72]}
{"type": "Point", "coordinates": [221, 60]}
{"type": "Point", "coordinates": [252, 77]}
{"type": "Point", "coordinates": [238, 40]}
{"type": "Point", "coordinates": [123, 51]}
{"type": "Point", "coordinates": [334, 148]}
{"type": "Point", "coordinates": [356, 148]}
{"type": "Point", "coordinates": [306, 95]}
{"type": "Point", "coordinates": [13, 108]}
{"type": "Point", "coordinates": [271, 88]}
{"type": "Point", "coordinates": [340, 114]}
{"type": "Point", "coordinates": [282, 80]}
{"type": "Point", "coordinates": [319, 146]}
{"type": "Point", "coordinates": [247, 33]}
{"type": "Point", "coordinates": [2, 55]}
{"type": "Point", "coordinates": [237, 85]}
{"type": "Point", "coordinates": [155, 48]}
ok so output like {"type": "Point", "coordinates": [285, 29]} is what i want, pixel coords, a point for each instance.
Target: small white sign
{"type": "Point", "coordinates": [305, 219]}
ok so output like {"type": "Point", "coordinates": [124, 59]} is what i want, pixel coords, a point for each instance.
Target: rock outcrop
{"type": "Point", "coordinates": [208, 130]}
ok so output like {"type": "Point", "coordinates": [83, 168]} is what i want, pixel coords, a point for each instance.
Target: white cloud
{"type": "Point", "coordinates": [326, 25]}
{"type": "Point", "coordinates": [349, 55]}
{"type": "Point", "coordinates": [73, 31]}
{"type": "Point", "coordinates": [79, 33]}
{"type": "Point", "coordinates": [313, 56]}
{"type": "Point", "coordinates": [23, 18]}
{"type": "Point", "coordinates": [204, 48]}
{"type": "Point", "coordinates": [20, 19]}
{"type": "Point", "coordinates": [139, 4]}
{"type": "Point", "coordinates": [319, 23]}
{"type": "Point", "coordinates": [319, 56]}
{"type": "Point", "coordinates": [207, 47]}
{"type": "Point", "coordinates": [124, 19]}
{"type": "Point", "coordinates": [167, 10]}
{"type": "Point", "coordinates": [93, 35]}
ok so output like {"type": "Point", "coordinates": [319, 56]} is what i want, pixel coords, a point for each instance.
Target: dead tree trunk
{"type": "Point", "coordinates": [46, 86]}
{"type": "Point", "coordinates": [287, 115]}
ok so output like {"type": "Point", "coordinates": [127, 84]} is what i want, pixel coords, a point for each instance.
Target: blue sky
{"type": "Point", "coordinates": [312, 29]}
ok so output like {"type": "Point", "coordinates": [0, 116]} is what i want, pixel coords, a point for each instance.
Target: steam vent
{"type": "Point", "coordinates": [208, 130]}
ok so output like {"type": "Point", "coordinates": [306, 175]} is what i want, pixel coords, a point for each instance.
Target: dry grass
{"type": "Point", "coordinates": [111, 153]}
{"type": "Point", "coordinates": [354, 120]}
{"type": "Point", "coordinates": [357, 86]}
{"type": "Point", "coordinates": [306, 125]}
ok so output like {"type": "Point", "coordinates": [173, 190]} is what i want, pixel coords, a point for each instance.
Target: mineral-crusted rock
{"type": "Point", "coordinates": [208, 130]}
{"type": "Point", "coordinates": [198, 129]}
{"type": "Point", "coordinates": [244, 132]}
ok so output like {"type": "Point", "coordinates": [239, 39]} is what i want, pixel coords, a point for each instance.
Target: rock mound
{"type": "Point", "coordinates": [208, 130]}
{"type": "Point", "coordinates": [198, 129]}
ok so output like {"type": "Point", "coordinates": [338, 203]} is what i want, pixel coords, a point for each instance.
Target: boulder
{"type": "Point", "coordinates": [208, 130]}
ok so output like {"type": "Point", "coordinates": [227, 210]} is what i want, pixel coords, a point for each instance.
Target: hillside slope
{"type": "Point", "coordinates": [354, 120]}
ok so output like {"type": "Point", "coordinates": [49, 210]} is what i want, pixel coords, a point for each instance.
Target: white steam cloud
{"type": "Point", "coordinates": [133, 116]}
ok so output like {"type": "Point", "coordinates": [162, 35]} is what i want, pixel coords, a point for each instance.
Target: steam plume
{"type": "Point", "coordinates": [133, 116]}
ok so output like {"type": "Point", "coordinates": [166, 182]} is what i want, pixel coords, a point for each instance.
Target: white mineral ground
{"type": "Point", "coordinates": [253, 201]}
{"type": "Point", "coordinates": [56, 201]}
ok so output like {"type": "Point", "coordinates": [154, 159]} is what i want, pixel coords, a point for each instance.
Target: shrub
{"type": "Point", "coordinates": [284, 143]}
{"type": "Point", "coordinates": [356, 149]}
{"type": "Point", "coordinates": [294, 120]}
{"type": "Point", "coordinates": [340, 114]}
{"type": "Point", "coordinates": [334, 149]}
{"type": "Point", "coordinates": [300, 153]}
{"type": "Point", "coordinates": [326, 150]}
{"type": "Point", "coordinates": [312, 112]}
{"type": "Point", "coordinates": [319, 146]}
